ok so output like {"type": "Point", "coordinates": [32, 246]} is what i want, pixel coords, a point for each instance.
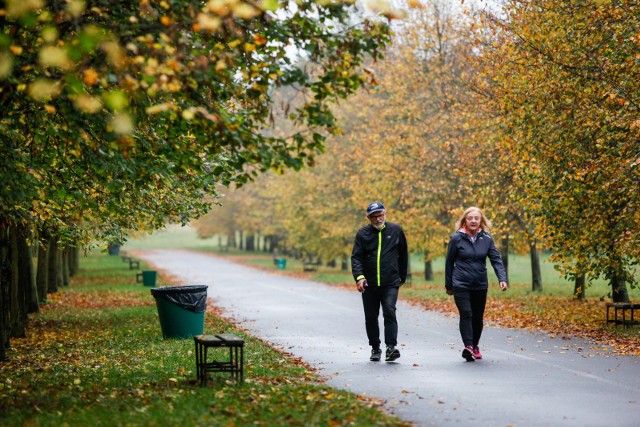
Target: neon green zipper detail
{"type": "Point", "coordinates": [379, 252]}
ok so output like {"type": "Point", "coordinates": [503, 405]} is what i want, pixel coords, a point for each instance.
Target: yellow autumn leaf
{"type": "Point", "coordinates": [219, 7]}
{"type": "Point", "coordinates": [6, 65]}
{"type": "Point", "coordinates": [245, 11]}
{"type": "Point", "coordinates": [88, 104]}
{"type": "Point", "coordinates": [114, 53]}
{"type": "Point", "coordinates": [122, 124]}
{"type": "Point", "coordinates": [18, 8]}
{"type": "Point", "coordinates": [208, 22]}
{"type": "Point", "coordinates": [76, 7]}
{"type": "Point", "coordinates": [189, 114]}
{"type": "Point", "coordinates": [43, 89]}
{"type": "Point", "coordinates": [54, 56]}
{"type": "Point", "coordinates": [159, 108]}
{"type": "Point", "coordinates": [50, 34]}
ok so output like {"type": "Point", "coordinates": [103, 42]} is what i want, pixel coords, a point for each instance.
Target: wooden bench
{"type": "Point", "coordinates": [620, 310]}
{"type": "Point", "coordinates": [232, 362]}
{"type": "Point", "coordinates": [134, 264]}
{"type": "Point", "coordinates": [311, 265]}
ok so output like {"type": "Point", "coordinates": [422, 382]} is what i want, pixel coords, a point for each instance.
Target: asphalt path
{"type": "Point", "coordinates": [525, 379]}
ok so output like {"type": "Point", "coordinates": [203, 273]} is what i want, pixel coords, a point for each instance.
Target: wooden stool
{"type": "Point", "coordinates": [234, 364]}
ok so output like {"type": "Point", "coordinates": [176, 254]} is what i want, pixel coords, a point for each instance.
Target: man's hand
{"type": "Point", "coordinates": [361, 285]}
{"type": "Point", "coordinates": [449, 291]}
{"type": "Point", "coordinates": [503, 286]}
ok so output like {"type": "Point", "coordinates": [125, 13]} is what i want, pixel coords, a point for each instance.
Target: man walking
{"type": "Point", "coordinates": [379, 266]}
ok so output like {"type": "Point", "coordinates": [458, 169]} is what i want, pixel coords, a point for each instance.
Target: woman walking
{"type": "Point", "coordinates": [466, 275]}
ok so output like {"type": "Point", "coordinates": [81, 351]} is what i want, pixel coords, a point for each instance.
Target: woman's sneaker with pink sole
{"type": "Point", "coordinates": [476, 352]}
{"type": "Point", "coordinates": [467, 353]}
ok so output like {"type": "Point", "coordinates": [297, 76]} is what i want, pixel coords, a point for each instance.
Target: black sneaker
{"type": "Point", "coordinates": [376, 354]}
{"type": "Point", "coordinates": [392, 354]}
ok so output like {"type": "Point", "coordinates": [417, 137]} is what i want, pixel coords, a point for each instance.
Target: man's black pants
{"type": "Point", "coordinates": [471, 307]}
{"type": "Point", "coordinates": [373, 298]}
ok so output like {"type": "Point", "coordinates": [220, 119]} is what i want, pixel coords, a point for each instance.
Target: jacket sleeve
{"type": "Point", "coordinates": [452, 254]}
{"type": "Point", "coordinates": [403, 256]}
{"type": "Point", "coordinates": [357, 254]}
{"type": "Point", "coordinates": [496, 262]}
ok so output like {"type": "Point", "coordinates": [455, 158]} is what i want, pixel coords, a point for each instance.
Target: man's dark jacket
{"type": "Point", "coordinates": [466, 265]}
{"type": "Point", "coordinates": [380, 256]}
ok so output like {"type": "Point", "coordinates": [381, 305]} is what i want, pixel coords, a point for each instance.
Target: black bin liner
{"type": "Point", "coordinates": [192, 298]}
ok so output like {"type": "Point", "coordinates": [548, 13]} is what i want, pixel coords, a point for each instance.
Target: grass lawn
{"type": "Point", "coordinates": [95, 356]}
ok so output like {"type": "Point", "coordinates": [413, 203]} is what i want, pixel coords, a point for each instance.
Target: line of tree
{"type": "Point", "coordinates": [130, 115]}
{"type": "Point", "coordinates": [530, 112]}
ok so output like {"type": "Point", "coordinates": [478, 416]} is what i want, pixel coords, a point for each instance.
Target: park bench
{"type": "Point", "coordinates": [221, 361]}
{"type": "Point", "coordinates": [620, 310]}
{"type": "Point", "coordinates": [309, 265]}
{"type": "Point", "coordinates": [134, 264]}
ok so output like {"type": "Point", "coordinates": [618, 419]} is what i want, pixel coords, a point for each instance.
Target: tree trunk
{"type": "Point", "coordinates": [64, 266]}
{"type": "Point", "coordinates": [26, 278]}
{"type": "Point", "coordinates": [536, 275]}
{"type": "Point", "coordinates": [5, 292]}
{"type": "Point", "coordinates": [619, 286]}
{"type": "Point", "coordinates": [241, 239]}
{"type": "Point", "coordinates": [579, 288]}
{"type": "Point", "coordinates": [42, 275]}
{"type": "Point", "coordinates": [504, 252]}
{"type": "Point", "coordinates": [428, 267]}
{"type": "Point", "coordinates": [251, 242]}
{"type": "Point", "coordinates": [74, 261]}
{"type": "Point", "coordinates": [52, 276]}
{"type": "Point", "coordinates": [344, 265]}
{"type": "Point", "coordinates": [18, 294]}
{"type": "Point", "coordinates": [60, 278]}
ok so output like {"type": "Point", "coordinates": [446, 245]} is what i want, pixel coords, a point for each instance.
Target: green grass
{"type": "Point", "coordinates": [95, 356]}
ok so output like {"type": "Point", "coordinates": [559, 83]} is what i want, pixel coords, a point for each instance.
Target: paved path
{"type": "Point", "coordinates": [525, 380]}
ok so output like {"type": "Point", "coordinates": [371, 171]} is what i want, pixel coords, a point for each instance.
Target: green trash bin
{"type": "Point", "coordinates": [281, 263]}
{"type": "Point", "coordinates": [149, 278]}
{"type": "Point", "coordinates": [181, 310]}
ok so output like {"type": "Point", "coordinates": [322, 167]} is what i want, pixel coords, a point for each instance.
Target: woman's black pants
{"type": "Point", "coordinates": [471, 308]}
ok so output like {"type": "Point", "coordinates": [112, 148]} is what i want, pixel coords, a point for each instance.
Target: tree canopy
{"type": "Point", "coordinates": [125, 115]}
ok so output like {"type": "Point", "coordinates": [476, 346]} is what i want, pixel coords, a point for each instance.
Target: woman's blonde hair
{"type": "Point", "coordinates": [485, 224]}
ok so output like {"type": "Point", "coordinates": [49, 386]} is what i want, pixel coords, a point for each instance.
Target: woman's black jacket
{"type": "Point", "coordinates": [466, 264]}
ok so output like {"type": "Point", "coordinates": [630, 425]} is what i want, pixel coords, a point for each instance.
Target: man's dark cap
{"type": "Point", "coordinates": [374, 207]}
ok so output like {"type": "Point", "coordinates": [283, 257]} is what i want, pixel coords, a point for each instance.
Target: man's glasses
{"type": "Point", "coordinates": [376, 217]}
